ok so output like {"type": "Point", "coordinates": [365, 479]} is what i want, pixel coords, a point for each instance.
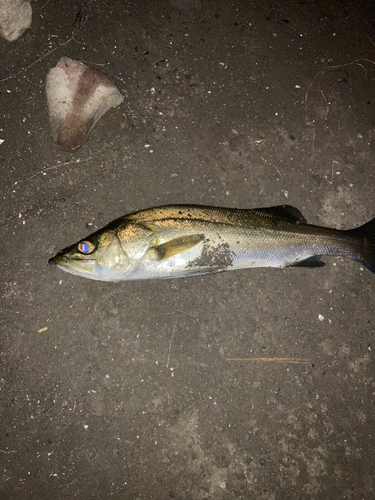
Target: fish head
{"type": "Point", "coordinates": [100, 256]}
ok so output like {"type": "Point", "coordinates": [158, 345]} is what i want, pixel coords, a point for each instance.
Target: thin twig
{"type": "Point", "coordinates": [277, 170]}
{"type": "Point", "coordinates": [313, 142]}
{"type": "Point", "coordinates": [364, 69]}
{"type": "Point", "coordinates": [44, 5]}
{"type": "Point", "coordinates": [53, 167]}
{"type": "Point", "coordinates": [300, 361]}
{"type": "Point", "coordinates": [23, 70]}
{"type": "Point", "coordinates": [270, 162]}
{"type": "Point", "coordinates": [72, 161]}
{"type": "Point", "coordinates": [92, 63]}
{"type": "Point", "coordinates": [170, 345]}
{"type": "Point", "coordinates": [330, 68]}
{"type": "Point", "coordinates": [326, 178]}
{"type": "Point", "coordinates": [325, 113]}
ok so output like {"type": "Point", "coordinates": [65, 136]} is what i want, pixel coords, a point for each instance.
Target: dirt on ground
{"type": "Point", "coordinates": [151, 390]}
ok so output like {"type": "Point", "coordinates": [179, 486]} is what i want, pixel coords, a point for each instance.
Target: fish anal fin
{"type": "Point", "coordinates": [310, 262]}
{"type": "Point", "coordinates": [283, 211]}
{"type": "Point", "coordinates": [176, 246]}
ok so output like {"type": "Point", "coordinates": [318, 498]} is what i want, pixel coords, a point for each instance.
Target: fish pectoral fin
{"type": "Point", "coordinates": [310, 262]}
{"type": "Point", "coordinates": [176, 246]}
{"type": "Point", "coordinates": [283, 211]}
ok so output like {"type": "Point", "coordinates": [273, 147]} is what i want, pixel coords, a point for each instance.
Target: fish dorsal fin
{"type": "Point", "coordinates": [283, 211]}
{"type": "Point", "coordinates": [176, 246]}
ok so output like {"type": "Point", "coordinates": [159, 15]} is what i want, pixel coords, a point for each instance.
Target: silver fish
{"type": "Point", "coordinates": [182, 240]}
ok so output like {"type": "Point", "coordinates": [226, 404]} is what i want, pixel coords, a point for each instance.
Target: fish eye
{"type": "Point", "coordinates": [86, 247]}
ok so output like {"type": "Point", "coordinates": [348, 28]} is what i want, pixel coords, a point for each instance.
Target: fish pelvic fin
{"type": "Point", "coordinates": [176, 246]}
{"type": "Point", "coordinates": [367, 233]}
{"type": "Point", "coordinates": [310, 262]}
{"type": "Point", "coordinates": [284, 212]}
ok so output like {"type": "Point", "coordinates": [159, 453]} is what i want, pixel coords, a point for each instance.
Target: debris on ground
{"type": "Point", "coordinates": [78, 96]}
{"type": "Point", "coordinates": [15, 18]}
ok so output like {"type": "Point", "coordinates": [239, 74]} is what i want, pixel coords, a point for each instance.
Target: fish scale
{"type": "Point", "coordinates": [183, 240]}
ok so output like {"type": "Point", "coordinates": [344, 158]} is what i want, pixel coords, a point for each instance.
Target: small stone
{"type": "Point", "coordinates": [77, 96]}
{"type": "Point", "coordinates": [15, 18]}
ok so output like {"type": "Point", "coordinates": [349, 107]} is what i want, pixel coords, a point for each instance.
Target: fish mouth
{"type": "Point", "coordinates": [84, 268]}
{"type": "Point", "coordinates": [74, 266]}
{"type": "Point", "coordinates": [57, 260]}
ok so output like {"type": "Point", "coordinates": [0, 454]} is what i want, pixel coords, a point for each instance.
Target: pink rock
{"type": "Point", "coordinates": [77, 96]}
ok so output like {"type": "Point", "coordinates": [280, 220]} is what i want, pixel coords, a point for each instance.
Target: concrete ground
{"type": "Point", "coordinates": [149, 390]}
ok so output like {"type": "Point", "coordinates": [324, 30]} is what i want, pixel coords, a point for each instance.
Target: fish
{"type": "Point", "coordinates": [178, 241]}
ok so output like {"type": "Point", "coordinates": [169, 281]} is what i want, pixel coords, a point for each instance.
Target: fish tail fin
{"type": "Point", "coordinates": [367, 233]}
